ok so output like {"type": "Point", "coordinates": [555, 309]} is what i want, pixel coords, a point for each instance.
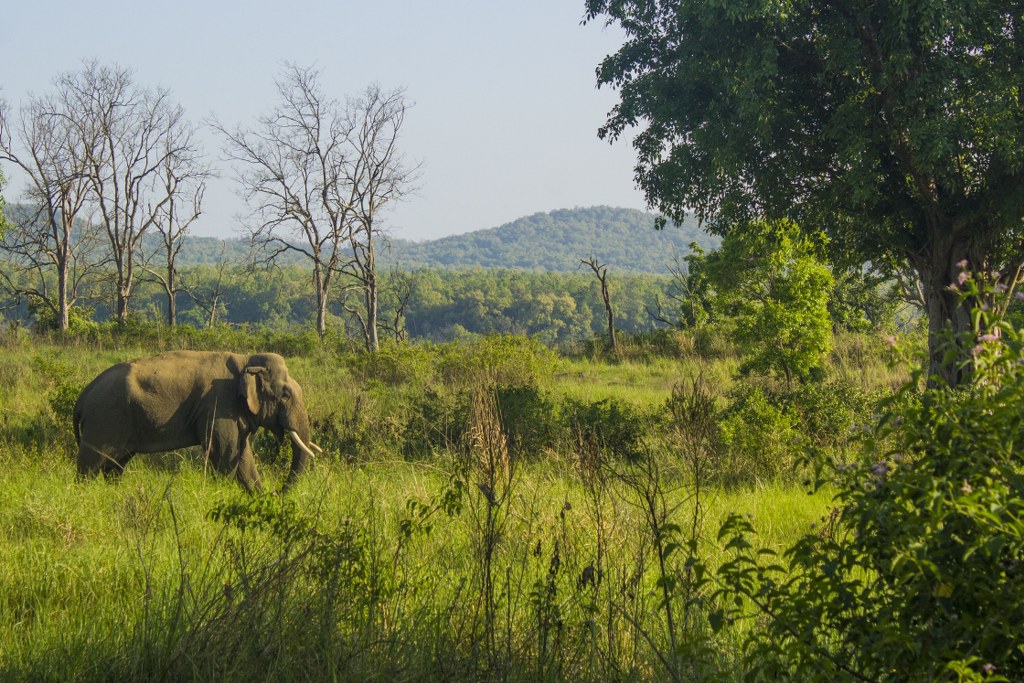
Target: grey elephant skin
{"type": "Point", "coordinates": [191, 398]}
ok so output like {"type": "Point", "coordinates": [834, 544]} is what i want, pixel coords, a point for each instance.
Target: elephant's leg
{"type": "Point", "coordinates": [246, 472]}
{"type": "Point", "coordinates": [93, 460]}
{"type": "Point", "coordinates": [229, 451]}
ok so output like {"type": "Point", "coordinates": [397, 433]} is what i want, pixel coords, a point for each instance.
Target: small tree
{"type": "Point", "coordinates": [770, 277]}
{"type": "Point", "coordinates": [689, 293]}
{"type": "Point", "coordinates": [183, 182]}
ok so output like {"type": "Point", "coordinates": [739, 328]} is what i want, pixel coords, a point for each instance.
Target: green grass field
{"type": "Point", "coordinates": [377, 565]}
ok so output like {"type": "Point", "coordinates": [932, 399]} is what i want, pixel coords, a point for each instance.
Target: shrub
{"type": "Point", "coordinates": [919, 573]}
{"type": "Point", "coordinates": [528, 418]}
{"type": "Point", "coordinates": [498, 360]}
{"type": "Point", "coordinates": [760, 436]}
{"type": "Point", "coordinates": [616, 426]}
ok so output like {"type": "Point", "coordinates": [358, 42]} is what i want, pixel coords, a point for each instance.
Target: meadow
{"type": "Point", "coordinates": [488, 510]}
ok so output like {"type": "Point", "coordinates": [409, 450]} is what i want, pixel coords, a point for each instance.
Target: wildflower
{"type": "Point", "coordinates": [966, 488]}
{"type": "Point", "coordinates": [880, 469]}
{"type": "Point", "coordinates": [1019, 296]}
{"type": "Point", "coordinates": [963, 277]}
{"type": "Point", "coordinates": [962, 264]}
{"type": "Point", "coordinates": [988, 337]}
{"type": "Point", "coordinates": [890, 340]}
{"type": "Point", "coordinates": [976, 351]}
{"type": "Point", "coordinates": [1000, 288]}
{"type": "Point", "coordinates": [989, 668]}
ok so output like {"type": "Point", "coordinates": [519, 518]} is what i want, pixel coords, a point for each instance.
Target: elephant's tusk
{"type": "Point", "coordinates": [319, 451]}
{"type": "Point", "coordinates": [297, 440]}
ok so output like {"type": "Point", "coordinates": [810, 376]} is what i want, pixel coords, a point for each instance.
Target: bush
{"type": "Point", "coordinates": [616, 426]}
{"type": "Point", "coordinates": [760, 435]}
{"type": "Point", "coordinates": [528, 418]}
{"type": "Point", "coordinates": [919, 573]}
{"type": "Point", "coordinates": [498, 360]}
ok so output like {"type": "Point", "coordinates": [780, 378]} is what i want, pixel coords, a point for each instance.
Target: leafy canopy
{"type": "Point", "coordinates": [770, 277]}
{"type": "Point", "coordinates": [871, 117]}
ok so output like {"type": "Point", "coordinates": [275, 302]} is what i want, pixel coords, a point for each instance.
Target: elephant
{"type": "Point", "coordinates": [191, 398]}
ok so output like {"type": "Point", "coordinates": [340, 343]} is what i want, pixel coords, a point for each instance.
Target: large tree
{"type": "Point", "coordinates": [896, 127]}
{"type": "Point", "coordinates": [134, 134]}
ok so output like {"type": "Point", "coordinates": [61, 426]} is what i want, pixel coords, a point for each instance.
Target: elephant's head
{"type": "Point", "coordinates": [274, 400]}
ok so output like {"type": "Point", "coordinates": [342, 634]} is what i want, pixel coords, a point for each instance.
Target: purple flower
{"type": "Point", "coordinates": [989, 337]}
{"type": "Point", "coordinates": [1000, 288]}
{"type": "Point", "coordinates": [890, 340]}
{"type": "Point", "coordinates": [977, 350]}
{"type": "Point", "coordinates": [963, 277]}
{"type": "Point", "coordinates": [880, 469]}
{"type": "Point", "coordinates": [1019, 296]}
{"type": "Point", "coordinates": [989, 668]}
{"type": "Point", "coordinates": [966, 488]}
{"type": "Point", "coordinates": [962, 264]}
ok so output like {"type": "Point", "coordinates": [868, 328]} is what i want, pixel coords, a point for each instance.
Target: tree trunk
{"type": "Point", "coordinates": [938, 269]}
{"type": "Point", "coordinates": [172, 304]}
{"type": "Point", "coordinates": [63, 314]}
{"type": "Point", "coordinates": [372, 339]}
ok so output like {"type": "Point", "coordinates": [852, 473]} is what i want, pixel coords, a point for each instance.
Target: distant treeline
{"type": "Point", "coordinates": [439, 305]}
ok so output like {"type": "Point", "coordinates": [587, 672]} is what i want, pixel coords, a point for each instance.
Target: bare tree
{"type": "Point", "coordinates": [133, 132]}
{"type": "Point", "coordinates": [52, 247]}
{"type": "Point", "coordinates": [183, 181]}
{"type": "Point", "coordinates": [208, 298]}
{"type": "Point", "coordinates": [294, 173]}
{"type": "Point", "coordinates": [378, 176]}
{"type": "Point", "coordinates": [601, 271]}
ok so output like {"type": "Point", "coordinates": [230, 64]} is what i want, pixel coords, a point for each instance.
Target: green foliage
{"type": "Point", "coordinates": [820, 112]}
{"type": "Point", "coordinates": [862, 301]}
{"type": "Point", "coordinates": [760, 435]}
{"type": "Point", "coordinates": [768, 275]}
{"type": "Point", "coordinates": [529, 419]}
{"type": "Point", "coordinates": [917, 573]}
{"type": "Point", "coordinates": [615, 426]}
{"type": "Point", "coordinates": [622, 238]}
{"type": "Point", "coordinates": [499, 360]}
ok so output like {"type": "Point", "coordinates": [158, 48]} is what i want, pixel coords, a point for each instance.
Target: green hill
{"type": "Point", "coordinates": [624, 239]}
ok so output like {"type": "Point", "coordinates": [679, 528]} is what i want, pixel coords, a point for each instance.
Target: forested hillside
{"type": "Point", "coordinates": [624, 239]}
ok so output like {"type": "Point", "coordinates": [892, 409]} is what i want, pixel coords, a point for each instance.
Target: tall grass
{"type": "Point", "coordinates": [490, 555]}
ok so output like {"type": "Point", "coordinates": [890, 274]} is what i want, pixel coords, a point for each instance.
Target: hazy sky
{"type": "Point", "coordinates": [506, 109]}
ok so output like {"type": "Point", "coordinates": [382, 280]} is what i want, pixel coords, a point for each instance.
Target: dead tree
{"type": "Point", "coordinates": [378, 176]}
{"type": "Point", "coordinates": [51, 248]}
{"type": "Point", "coordinates": [601, 271]}
{"type": "Point", "coordinates": [293, 168]}
{"type": "Point", "coordinates": [136, 131]}
{"type": "Point", "coordinates": [183, 180]}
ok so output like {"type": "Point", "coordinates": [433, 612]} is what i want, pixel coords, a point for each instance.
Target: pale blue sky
{"type": "Point", "coordinates": [506, 109]}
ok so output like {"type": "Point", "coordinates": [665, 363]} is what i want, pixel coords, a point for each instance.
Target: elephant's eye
{"type": "Point", "coordinates": [287, 393]}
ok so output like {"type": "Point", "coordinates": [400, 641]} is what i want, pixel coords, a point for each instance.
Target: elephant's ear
{"type": "Point", "coordinates": [247, 388]}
